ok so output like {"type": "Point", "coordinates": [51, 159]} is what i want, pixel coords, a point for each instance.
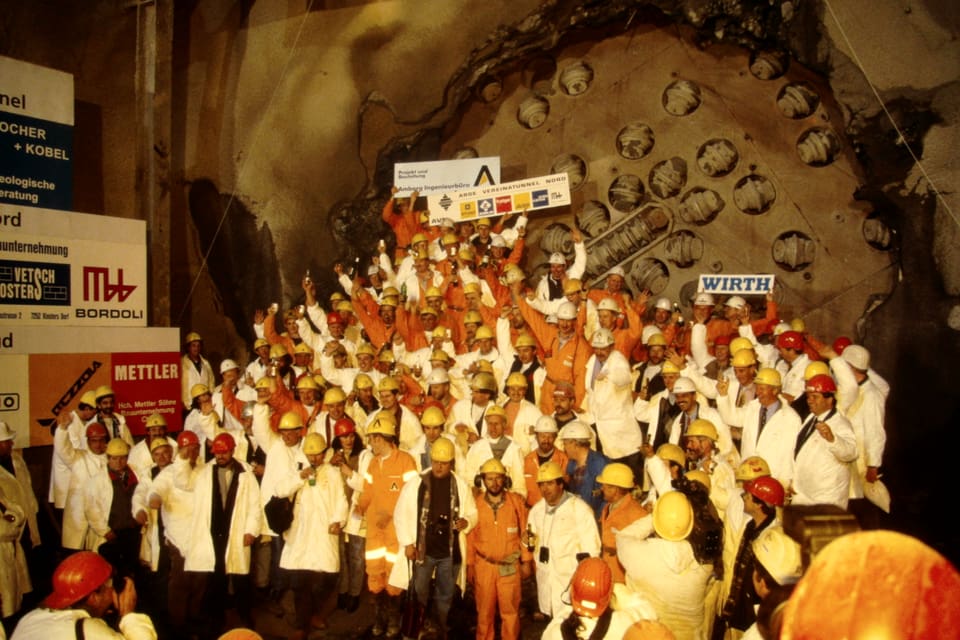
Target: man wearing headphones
{"type": "Point", "coordinates": [497, 557]}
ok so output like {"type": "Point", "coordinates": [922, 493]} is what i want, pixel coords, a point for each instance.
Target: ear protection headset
{"type": "Point", "coordinates": [478, 481]}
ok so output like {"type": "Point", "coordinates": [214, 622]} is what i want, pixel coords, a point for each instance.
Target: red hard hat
{"type": "Point", "coordinates": [187, 438]}
{"type": "Point", "coordinates": [724, 339]}
{"type": "Point", "coordinates": [821, 384]}
{"type": "Point", "coordinates": [223, 443]}
{"type": "Point", "coordinates": [78, 576]}
{"type": "Point", "coordinates": [766, 488]}
{"type": "Point", "coordinates": [344, 426]}
{"type": "Point", "coordinates": [334, 318]}
{"type": "Point", "coordinates": [790, 340]}
{"type": "Point", "coordinates": [96, 429]}
{"type": "Point", "coordinates": [591, 587]}
{"type": "Point", "coordinates": [841, 343]}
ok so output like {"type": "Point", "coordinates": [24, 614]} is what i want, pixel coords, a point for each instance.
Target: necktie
{"type": "Point", "coordinates": [684, 423]}
{"type": "Point", "coordinates": [805, 432]}
{"type": "Point", "coordinates": [763, 421]}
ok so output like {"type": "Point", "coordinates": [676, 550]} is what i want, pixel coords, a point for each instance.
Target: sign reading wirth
{"type": "Point", "coordinates": [750, 284]}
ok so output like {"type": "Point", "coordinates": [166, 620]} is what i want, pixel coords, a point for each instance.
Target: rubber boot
{"type": "Point", "coordinates": [380, 605]}
{"type": "Point", "coordinates": [393, 616]}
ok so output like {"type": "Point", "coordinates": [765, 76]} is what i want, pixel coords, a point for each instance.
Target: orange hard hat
{"type": "Point", "coordinates": [76, 577]}
{"type": "Point", "coordinates": [591, 587]}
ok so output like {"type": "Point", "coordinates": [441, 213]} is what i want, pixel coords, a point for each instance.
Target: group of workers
{"type": "Point", "coordinates": [437, 430]}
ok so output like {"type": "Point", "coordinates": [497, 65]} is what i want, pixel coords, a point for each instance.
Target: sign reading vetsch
{"type": "Point", "coordinates": [36, 135]}
{"type": "Point", "coordinates": [749, 284]}
{"type": "Point", "coordinates": [530, 195]}
{"type": "Point", "coordinates": [444, 176]}
{"type": "Point", "coordinates": [45, 370]}
{"type": "Point", "coordinates": [71, 269]}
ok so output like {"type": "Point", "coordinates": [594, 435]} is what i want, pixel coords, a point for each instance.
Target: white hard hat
{"type": "Point", "coordinates": [373, 270]}
{"type": "Point", "coordinates": [438, 376]}
{"type": "Point", "coordinates": [779, 554]}
{"type": "Point", "coordinates": [617, 271]}
{"type": "Point", "coordinates": [736, 302]}
{"type": "Point", "coordinates": [608, 304]}
{"type": "Point", "coordinates": [498, 241]}
{"type": "Point", "coordinates": [567, 311]}
{"type": "Point", "coordinates": [6, 433]}
{"type": "Point", "coordinates": [602, 338]}
{"type": "Point", "coordinates": [545, 424]}
{"type": "Point", "coordinates": [576, 430]}
{"type": "Point", "coordinates": [703, 299]}
{"type": "Point", "coordinates": [684, 385]}
{"type": "Point", "coordinates": [227, 365]}
{"type": "Point", "coordinates": [857, 357]}
{"type": "Point", "coordinates": [663, 303]}
{"type": "Point", "coordinates": [557, 258]}
{"type": "Point", "coordinates": [551, 318]}
{"type": "Point", "coordinates": [447, 223]}
{"type": "Point", "coordinates": [648, 331]}
{"type": "Point", "coordinates": [781, 327]}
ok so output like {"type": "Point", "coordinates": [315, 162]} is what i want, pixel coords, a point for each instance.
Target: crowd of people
{"type": "Point", "coordinates": [438, 433]}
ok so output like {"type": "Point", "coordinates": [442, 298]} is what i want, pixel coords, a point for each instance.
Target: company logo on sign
{"type": "Point", "coordinates": [504, 204]}
{"type": "Point", "coordinates": [97, 286]}
{"type": "Point", "coordinates": [9, 401]}
{"type": "Point", "coordinates": [485, 206]}
{"type": "Point", "coordinates": [34, 283]}
{"type": "Point", "coordinates": [541, 198]}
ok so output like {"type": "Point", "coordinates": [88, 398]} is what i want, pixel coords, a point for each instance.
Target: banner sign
{"type": "Point", "coordinates": [529, 195]}
{"type": "Point", "coordinates": [69, 269]}
{"type": "Point", "coordinates": [44, 371]}
{"type": "Point", "coordinates": [750, 284]}
{"type": "Point", "coordinates": [445, 175]}
{"type": "Point", "coordinates": [36, 135]}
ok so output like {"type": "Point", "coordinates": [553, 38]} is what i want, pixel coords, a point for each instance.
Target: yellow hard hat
{"type": "Point", "coordinates": [334, 395]}
{"type": "Point", "coordinates": [363, 381]}
{"type": "Point", "coordinates": [417, 239]}
{"type": "Point", "coordinates": [307, 382]}
{"type": "Point", "coordinates": [314, 444]}
{"type": "Point", "coordinates": [779, 554]}
{"type": "Point", "coordinates": [441, 450]}
{"type": "Point", "coordinates": [744, 358]}
{"type": "Point", "coordinates": [669, 368]}
{"type": "Point", "coordinates": [263, 383]}
{"type": "Point", "coordinates": [672, 453]}
{"type": "Point", "coordinates": [387, 356]}
{"type": "Point", "coordinates": [391, 291]}
{"type": "Point", "coordinates": [449, 238]}
{"type": "Point", "coordinates": [484, 333]}
{"type": "Point", "coordinates": [768, 376]}
{"type": "Point", "coordinates": [428, 311]}
{"type": "Point", "coordinates": [433, 417]}
{"type": "Point", "coordinates": [618, 475]}
{"type": "Point", "coordinates": [816, 368]}
{"type": "Point", "coordinates": [117, 447]}
{"type": "Point", "coordinates": [156, 443]}
{"type": "Point", "coordinates": [344, 306]}
{"type": "Point", "coordinates": [193, 336]}
{"type": "Point", "coordinates": [366, 349]}
{"type": "Point", "coordinates": [89, 398]}
{"type": "Point", "coordinates": [472, 287]}
{"type": "Point", "coordinates": [390, 301]}
{"type": "Point", "coordinates": [484, 222]}
{"type": "Point", "coordinates": [385, 423]}
{"type": "Point", "coordinates": [198, 390]}
{"type": "Point", "coordinates": [260, 342]}
{"type": "Point", "coordinates": [704, 428]}
{"type": "Point", "coordinates": [155, 420]}
{"type": "Point", "coordinates": [673, 516]}
{"type": "Point", "coordinates": [798, 325]}
{"type": "Point", "coordinates": [572, 285]}
{"type": "Point", "coordinates": [525, 340]}
{"type": "Point", "coordinates": [472, 317]}
{"type": "Point", "coordinates": [291, 420]}
{"type": "Point", "coordinates": [517, 379]}
{"type": "Point", "coordinates": [739, 344]}
{"type": "Point", "coordinates": [549, 471]}
{"type": "Point", "coordinates": [103, 391]}
{"type": "Point", "coordinates": [484, 366]}
{"type": "Point", "coordinates": [752, 468]}
{"type": "Point", "coordinates": [495, 411]}
{"type": "Point", "coordinates": [433, 292]}
{"type": "Point", "coordinates": [277, 351]}
{"type": "Point", "coordinates": [657, 340]}
{"type": "Point", "coordinates": [493, 466]}
{"type": "Point", "coordinates": [439, 354]}
{"type": "Point", "coordinates": [302, 348]}
{"type": "Point", "coordinates": [484, 382]}
{"type": "Point", "coordinates": [388, 383]}
{"type": "Point", "coordinates": [700, 476]}
{"type": "Point", "coordinates": [336, 296]}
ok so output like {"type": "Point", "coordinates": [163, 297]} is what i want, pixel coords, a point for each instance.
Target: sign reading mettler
{"type": "Point", "coordinates": [750, 284]}
{"type": "Point", "coordinates": [68, 269]}
{"type": "Point", "coordinates": [445, 176]}
{"type": "Point", "coordinates": [533, 194]}
{"type": "Point", "coordinates": [36, 135]}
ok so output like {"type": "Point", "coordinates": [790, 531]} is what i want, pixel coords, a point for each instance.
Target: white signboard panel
{"type": "Point", "coordinates": [445, 176]}
{"type": "Point", "coordinates": [530, 195]}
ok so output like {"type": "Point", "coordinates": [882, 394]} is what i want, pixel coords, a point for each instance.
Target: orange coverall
{"type": "Point", "coordinates": [497, 537]}
{"type": "Point", "coordinates": [617, 516]}
{"type": "Point", "coordinates": [381, 489]}
{"type": "Point", "coordinates": [531, 463]}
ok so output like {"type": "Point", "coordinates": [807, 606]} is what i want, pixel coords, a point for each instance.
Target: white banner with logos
{"type": "Point", "coordinates": [744, 285]}
{"type": "Point", "coordinates": [532, 194]}
{"type": "Point", "coordinates": [445, 176]}
{"type": "Point", "coordinates": [71, 269]}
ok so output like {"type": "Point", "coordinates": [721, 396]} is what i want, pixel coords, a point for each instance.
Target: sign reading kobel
{"type": "Point", "coordinates": [67, 269]}
{"type": "Point", "coordinates": [528, 195]}
{"type": "Point", "coordinates": [445, 176]}
{"type": "Point", "coordinates": [750, 284]}
{"type": "Point", "coordinates": [36, 135]}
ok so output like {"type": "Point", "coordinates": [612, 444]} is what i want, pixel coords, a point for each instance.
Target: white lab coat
{"type": "Point", "coordinates": [176, 510]}
{"type": "Point", "coordinates": [189, 376]}
{"type": "Point", "coordinates": [97, 498]}
{"type": "Point", "coordinates": [566, 530]}
{"type": "Point", "coordinates": [281, 462]}
{"type": "Point", "coordinates": [356, 523]}
{"type": "Point", "coordinates": [49, 624]}
{"type": "Point", "coordinates": [141, 461]}
{"type": "Point", "coordinates": [723, 483]}
{"type": "Point", "coordinates": [725, 446]}
{"type": "Point", "coordinates": [776, 443]}
{"type": "Point", "coordinates": [481, 451]}
{"type": "Point", "coordinates": [84, 466]}
{"type": "Point", "coordinates": [14, 575]}
{"type": "Point", "coordinates": [821, 471]}
{"type": "Point", "coordinates": [406, 520]}
{"type": "Point", "coordinates": [668, 575]}
{"type": "Point", "coordinates": [309, 546]}
{"type": "Point", "coordinates": [609, 405]}
{"type": "Point", "coordinates": [245, 519]}
{"type": "Point", "coordinates": [527, 416]}
{"type": "Point", "coordinates": [59, 469]}
{"type": "Point", "coordinates": [866, 415]}
{"type": "Point", "coordinates": [793, 383]}
{"type": "Point", "coordinates": [150, 538]}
